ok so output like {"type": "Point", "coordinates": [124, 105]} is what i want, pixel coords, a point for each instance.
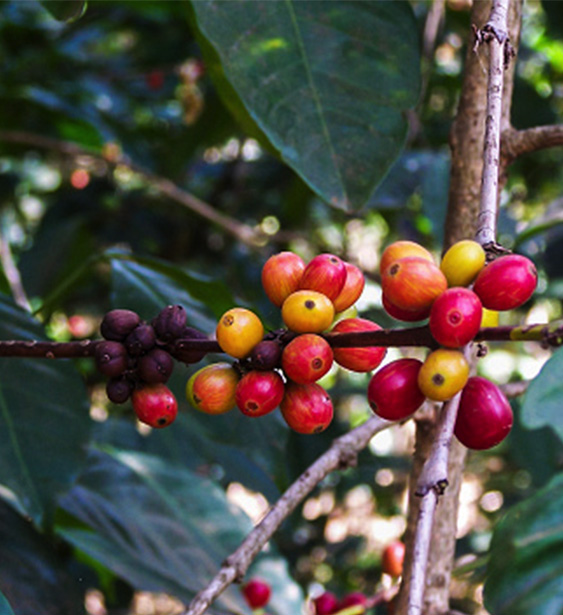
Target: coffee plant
{"type": "Point", "coordinates": [280, 300]}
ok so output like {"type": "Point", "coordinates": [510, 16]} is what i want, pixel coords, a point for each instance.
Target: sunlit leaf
{"type": "Point", "coordinates": [327, 82]}
{"type": "Point", "coordinates": [156, 524]}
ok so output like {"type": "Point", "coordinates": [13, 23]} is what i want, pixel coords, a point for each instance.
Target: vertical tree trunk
{"type": "Point", "coordinates": [466, 142]}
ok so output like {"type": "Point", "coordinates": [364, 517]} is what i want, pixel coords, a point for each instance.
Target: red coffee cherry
{"type": "Point", "coordinates": [155, 405]}
{"type": "Point", "coordinates": [352, 289]}
{"type": "Point", "coordinates": [326, 604]}
{"type": "Point", "coordinates": [212, 388]}
{"type": "Point", "coordinates": [507, 282]}
{"type": "Point", "coordinates": [306, 408]}
{"type": "Point", "coordinates": [393, 391]}
{"type": "Point", "coordinates": [361, 359]}
{"type": "Point", "coordinates": [281, 275]}
{"type": "Point", "coordinates": [455, 317]}
{"type": "Point", "coordinates": [259, 392]}
{"type": "Point", "coordinates": [484, 417]}
{"type": "Point", "coordinates": [307, 358]}
{"type": "Point", "coordinates": [257, 593]}
{"type": "Point", "coordinates": [404, 315]}
{"type": "Point", "coordinates": [402, 249]}
{"type": "Point", "coordinates": [413, 283]}
{"type": "Point", "coordinates": [352, 599]}
{"type": "Point", "coordinates": [326, 274]}
{"type": "Point", "coordinates": [392, 558]}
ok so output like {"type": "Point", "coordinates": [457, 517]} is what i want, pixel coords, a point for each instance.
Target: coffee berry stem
{"type": "Point", "coordinates": [549, 334]}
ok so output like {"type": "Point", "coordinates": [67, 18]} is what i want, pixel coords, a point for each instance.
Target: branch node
{"type": "Point", "coordinates": [348, 459]}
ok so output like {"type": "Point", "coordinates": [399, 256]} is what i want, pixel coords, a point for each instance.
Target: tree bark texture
{"type": "Point", "coordinates": [467, 144]}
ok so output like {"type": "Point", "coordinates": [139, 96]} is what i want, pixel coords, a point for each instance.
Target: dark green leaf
{"type": "Point", "coordinates": [65, 10]}
{"type": "Point", "coordinates": [44, 422]}
{"type": "Point", "coordinates": [156, 524]}
{"type": "Point", "coordinates": [149, 287]}
{"type": "Point", "coordinates": [327, 82]}
{"type": "Point", "coordinates": [526, 564]}
{"type": "Point", "coordinates": [33, 578]}
{"type": "Point", "coordinates": [544, 397]}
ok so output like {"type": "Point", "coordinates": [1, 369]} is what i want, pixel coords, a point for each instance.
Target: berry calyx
{"type": "Point", "coordinates": [238, 331]}
{"type": "Point", "coordinates": [393, 392]}
{"type": "Point", "coordinates": [257, 593]}
{"type": "Point", "coordinates": [155, 405]}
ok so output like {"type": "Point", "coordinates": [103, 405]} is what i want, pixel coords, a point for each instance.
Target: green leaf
{"type": "Point", "coordinates": [34, 579]}
{"type": "Point", "coordinates": [544, 397]}
{"type": "Point", "coordinates": [44, 422]}
{"type": "Point", "coordinates": [526, 564]}
{"type": "Point", "coordinates": [156, 524]}
{"type": "Point", "coordinates": [5, 608]}
{"type": "Point", "coordinates": [65, 10]}
{"type": "Point", "coordinates": [147, 285]}
{"type": "Point", "coordinates": [327, 82]}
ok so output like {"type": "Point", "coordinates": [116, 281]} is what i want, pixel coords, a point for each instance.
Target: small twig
{"type": "Point", "coordinates": [495, 34]}
{"type": "Point", "coordinates": [550, 334]}
{"type": "Point", "coordinates": [432, 482]}
{"type": "Point", "coordinates": [515, 389]}
{"type": "Point", "coordinates": [341, 454]}
{"type": "Point", "coordinates": [434, 475]}
{"type": "Point", "coordinates": [516, 143]}
{"type": "Point", "coordinates": [244, 233]}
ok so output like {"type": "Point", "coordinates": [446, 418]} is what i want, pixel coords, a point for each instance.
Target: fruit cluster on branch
{"type": "Point", "coordinates": [282, 368]}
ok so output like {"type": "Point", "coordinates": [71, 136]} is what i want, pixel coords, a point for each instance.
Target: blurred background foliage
{"type": "Point", "coordinates": [103, 105]}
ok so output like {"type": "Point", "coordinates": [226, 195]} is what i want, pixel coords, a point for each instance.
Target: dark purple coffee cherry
{"type": "Point", "coordinates": [118, 324]}
{"type": "Point", "coordinates": [187, 355]}
{"type": "Point", "coordinates": [119, 390]}
{"type": "Point", "coordinates": [111, 358]}
{"type": "Point", "coordinates": [156, 366]}
{"type": "Point", "coordinates": [140, 340]}
{"type": "Point", "coordinates": [265, 355]}
{"type": "Point", "coordinates": [170, 323]}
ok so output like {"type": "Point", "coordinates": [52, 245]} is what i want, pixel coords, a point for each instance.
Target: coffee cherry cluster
{"type": "Point", "coordinates": [457, 297]}
{"type": "Point", "coordinates": [282, 369]}
{"type": "Point", "coordinates": [137, 357]}
{"type": "Point", "coordinates": [328, 603]}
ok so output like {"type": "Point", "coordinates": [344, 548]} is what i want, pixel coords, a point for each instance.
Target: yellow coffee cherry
{"type": "Point", "coordinates": [307, 311]}
{"type": "Point", "coordinates": [238, 331]}
{"type": "Point", "coordinates": [462, 262]}
{"type": "Point", "coordinates": [489, 318]}
{"type": "Point", "coordinates": [443, 374]}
